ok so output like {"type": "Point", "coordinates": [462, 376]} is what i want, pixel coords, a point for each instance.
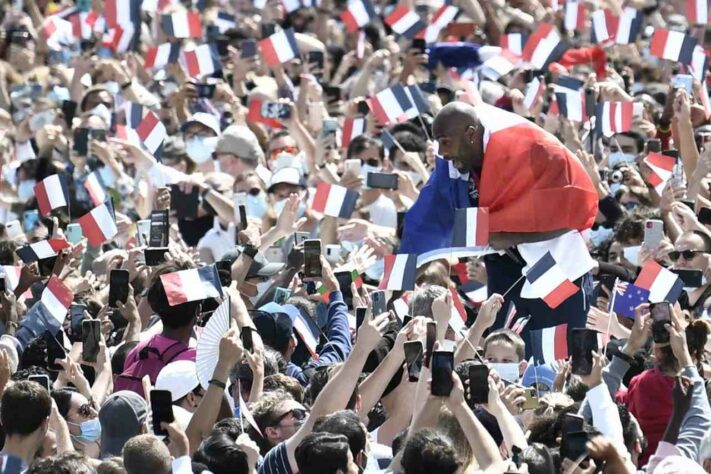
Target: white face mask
{"type": "Point", "coordinates": [26, 189]}
{"type": "Point", "coordinates": [632, 254]}
{"type": "Point", "coordinates": [619, 157]}
{"type": "Point", "coordinates": [415, 177]}
{"type": "Point", "coordinates": [200, 149]}
{"type": "Point", "coordinates": [261, 289]}
{"type": "Point", "coordinates": [103, 112]}
{"type": "Point", "coordinates": [506, 370]}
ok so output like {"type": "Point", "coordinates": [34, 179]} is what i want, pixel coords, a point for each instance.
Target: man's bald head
{"type": "Point", "coordinates": [459, 134]}
{"type": "Point", "coordinates": [457, 116]}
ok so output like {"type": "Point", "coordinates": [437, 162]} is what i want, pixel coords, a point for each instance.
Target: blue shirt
{"type": "Point", "coordinates": [276, 461]}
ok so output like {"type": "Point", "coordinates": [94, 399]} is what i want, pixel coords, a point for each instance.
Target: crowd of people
{"type": "Point", "coordinates": [230, 236]}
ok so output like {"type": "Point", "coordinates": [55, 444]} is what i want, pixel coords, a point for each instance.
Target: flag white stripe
{"type": "Point", "coordinates": [192, 286]}
{"type": "Point", "coordinates": [398, 272]}
{"type": "Point", "coordinates": [455, 321]}
{"type": "Point", "coordinates": [406, 22]}
{"type": "Point", "coordinates": [600, 25]}
{"type": "Point", "coordinates": [702, 12]}
{"type": "Point", "coordinates": [432, 32]}
{"type": "Point", "coordinates": [389, 104]}
{"type": "Point", "coordinates": [571, 16]}
{"type": "Point", "coordinates": [335, 200]}
{"type": "Point", "coordinates": [55, 195]}
{"type": "Point", "coordinates": [471, 224]}
{"type": "Point", "coordinates": [544, 49]}
{"type": "Point", "coordinates": [516, 43]}
{"type": "Point", "coordinates": [672, 48]}
{"type": "Point", "coordinates": [104, 221]}
{"type": "Point", "coordinates": [359, 12]}
{"type": "Point", "coordinates": [401, 308]}
{"type": "Point", "coordinates": [548, 282]}
{"type": "Point", "coordinates": [204, 58]}
{"type": "Point", "coordinates": [531, 93]}
{"type": "Point", "coordinates": [624, 26]}
{"type": "Point", "coordinates": [661, 286]}
{"type": "Point", "coordinates": [156, 137]}
{"type": "Point", "coordinates": [281, 45]}
{"type": "Point", "coordinates": [181, 28]}
{"type": "Point", "coordinates": [42, 249]}
{"type": "Point", "coordinates": [305, 332]}
{"type": "Point", "coordinates": [11, 276]}
{"type": "Point", "coordinates": [54, 306]}
{"type": "Point", "coordinates": [548, 344]}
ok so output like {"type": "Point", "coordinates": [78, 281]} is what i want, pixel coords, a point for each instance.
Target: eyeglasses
{"type": "Point", "coordinates": [292, 150]}
{"type": "Point", "coordinates": [299, 415]}
{"type": "Point", "coordinates": [687, 254]}
{"type": "Point", "coordinates": [372, 162]}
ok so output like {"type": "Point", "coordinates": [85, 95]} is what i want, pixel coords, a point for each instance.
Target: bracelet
{"type": "Point", "coordinates": [127, 85]}
{"type": "Point", "coordinates": [217, 383]}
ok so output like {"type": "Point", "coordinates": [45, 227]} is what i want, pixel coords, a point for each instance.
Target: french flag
{"type": "Point", "coordinates": [443, 17]}
{"type": "Point", "coordinates": [95, 188]}
{"type": "Point", "coordinates": [279, 47]}
{"type": "Point", "coordinates": [84, 24]}
{"type": "Point", "coordinates": [119, 38]}
{"type": "Point", "coordinates": [629, 26]}
{"type": "Point", "coordinates": [697, 12]}
{"type": "Point", "coordinates": [514, 43]}
{"type": "Point", "coordinates": [390, 105]}
{"type": "Point", "coordinates": [225, 21]}
{"type": "Point", "coordinates": [191, 285]}
{"type": "Point", "coordinates": [357, 15]}
{"type": "Point", "coordinates": [122, 12]}
{"type": "Point", "coordinates": [400, 272]}
{"type": "Point", "coordinates": [184, 24]}
{"type": "Point", "coordinates": [51, 193]}
{"type": "Point", "coordinates": [604, 26]}
{"type": "Point", "coordinates": [12, 276]}
{"type": "Point", "coordinates": [149, 128]}
{"type": "Point", "coordinates": [471, 227]}
{"type": "Point", "coordinates": [534, 90]}
{"type": "Point", "coordinates": [662, 284]}
{"type": "Point", "coordinates": [58, 33]}
{"type": "Point", "coordinates": [474, 291]}
{"type": "Point", "coordinates": [614, 117]}
{"type": "Point", "coordinates": [405, 22]}
{"type": "Point", "coordinates": [202, 60]}
{"type": "Point", "coordinates": [458, 318]}
{"type": "Point", "coordinates": [543, 46]}
{"type": "Point", "coordinates": [662, 167]}
{"type": "Point", "coordinates": [418, 102]}
{"type": "Point", "coordinates": [57, 297]}
{"type": "Point", "coordinates": [547, 279]}
{"type": "Point", "coordinates": [160, 56]}
{"type": "Point", "coordinates": [571, 105]}
{"type": "Point", "coordinates": [574, 16]}
{"type": "Point", "coordinates": [672, 45]}
{"type": "Point", "coordinates": [334, 201]}
{"type": "Point", "coordinates": [549, 345]}
{"type": "Point", "coordinates": [352, 127]}
{"type": "Point", "coordinates": [99, 225]}
{"type": "Point", "coordinates": [699, 63]}
{"type": "Point", "coordinates": [41, 250]}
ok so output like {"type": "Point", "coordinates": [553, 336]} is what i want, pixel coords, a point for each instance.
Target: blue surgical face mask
{"type": "Point", "coordinates": [200, 149]}
{"type": "Point", "coordinates": [256, 205]}
{"type": "Point", "coordinates": [26, 189]}
{"type": "Point", "coordinates": [280, 205]}
{"type": "Point", "coordinates": [90, 430]}
{"type": "Point", "coordinates": [619, 157]}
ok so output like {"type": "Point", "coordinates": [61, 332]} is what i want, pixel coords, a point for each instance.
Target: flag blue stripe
{"type": "Point", "coordinates": [675, 291]}
{"type": "Point", "coordinates": [401, 96]}
{"type": "Point", "coordinates": [292, 41]}
{"type": "Point", "coordinates": [459, 233]}
{"type": "Point", "coordinates": [540, 268]}
{"type": "Point", "coordinates": [209, 275]}
{"type": "Point", "coordinates": [369, 8]}
{"type": "Point", "coordinates": [687, 49]}
{"type": "Point", "coordinates": [421, 103]}
{"type": "Point", "coordinates": [387, 139]}
{"type": "Point", "coordinates": [414, 29]}
{"type": "Point", "coordinates": [569, 83]}
{"type": "Point", "coordinates": [174, 54]}
{"type": "Point", "coordinates": [410, 274]}
{"type": "Point", "coordinates": [349, 202]}
{"type": "Point", "coordinates": [136, 115]}
{"type": "Point", "coordinates": [166, 22]}
{"type": "Point", "coordinates": [561, 99]}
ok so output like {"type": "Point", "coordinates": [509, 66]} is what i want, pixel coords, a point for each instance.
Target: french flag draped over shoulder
{"type": "Point", "coordinates": [614, 117]}
{"type": "Point", "coordinates": [574, 16]}
{"type": "Point", "coordinates": [335, 201]}
{"type": "Point", "coordinates": [51, 193]}
{"type": "Point", "coordinates": [471, 227]}
{"type": "Point", "coordinates": [191, 285]}
{"type": "Point", "coordinates": [358, 14]}
{"type": "Point", "coordinates": [279, 47]}
{"type": "Point", "coordinates": [513, 42]}
{"type": "Point", "coordinates": [42, 249]}
{"type": "Point", "coordinates": [443, 17]}
{"type": "Point", "coordinates": [99, 224]}
{"type": "Point", "coordinates": [672, 45]}
{"type": "Point", "coordinates": [185, 24]}
{"type": "Point", "coordinates": [56, 298]}
{"type": "Point", "coordinates": [390, 105]}
{"type": "Point", "coordinates": [698, 12]}
{"type": "Point", "coordinates": [629, 26]}
{"type": "Point", "coordinates": [662, 167]}
{"type": "Point", "coordinates": [400, 272]}
{"type": "Point", "coordinates": [405, 22]}
{"type": "Point", "coordinates": [352, 127]}
{"type": "Point", "coordinates": [543, 46]}
{"type": "Point", "coordinates": [201, 60]}
{"type": "Point", "coordinates": [662, 284]}
{"type": "Point", "coordinates": [549, 344]}
{"type": "Point", "coordinates": [160, 56]}
{"type": "Point", "coordinates": [548, 279]}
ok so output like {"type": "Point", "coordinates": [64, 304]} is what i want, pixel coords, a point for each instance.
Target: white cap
{"type": "Point", "coordinates": [203, 118]}
{"type": "Point", "coordinates": [179, 378]}
{"type": "Point", "coordinates": [286, 176]}
{"type": "Point", "coordinates": [9, 344]}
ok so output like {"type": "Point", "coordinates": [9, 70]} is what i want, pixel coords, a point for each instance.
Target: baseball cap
{"type": "Point", "coordinates": [203, 118]}
{"type": "Point", "coordinates": [179, 378]}
{"type": "Point", "coordinates": [288, 175]}
{"type": "Point", "coordinates": [9, 344]}
{"type": "Point", "coordinates": [240, 141]}
{"type": "Point", "coordinates": [122, 415]}
{"type": "Point", "coordinates": [275, 328]}
{"type": "Point", "coordinates": [261, 267]}
{"type": "Point", "coordinates": [538, 374]}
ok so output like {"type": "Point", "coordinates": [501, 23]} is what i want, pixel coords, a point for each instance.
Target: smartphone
{"type": "Point", "coordinates": [55, 349]}
{"type": "Point", "coordinates": [81, 141]}
{"type": "Point", "coordinates": [661, 316]}
{"type": "Point", "coordinates": [571, 423]}
{"type": "Point", "coordinates": [400, 226]}
{"type": "Point", "coordinates": [281, 295]}
{"type": "Point", "coordinates": [118, 287]}
{"type": "Point", "coordinates": [315, 58]}
{"type": "Point", "coordinates": [705, 216]}
{"type": "Point", "coordinates": [352, 167]}
{"type": "Point", "coordinates": [430, 341]}
{"type": "Point", "coordinates": [583, 343]}
{"type": "Point", "coordinates": [41, 119]}
{"type": "Point", "coordinates": [185, 205]}
{"type": "Point", "coordinates": [43, 380]}
{"type": "Point", "coordinates": [590, 101]}
{"type": "Point", "coordinates": [654, 145]}
{"type": "Point", "coordinates": [76, 316]}
{"type": "Point", "coordinates": [478, 384]}
{"type": "Point", "coordinates": [419, 44]}
{"type": "Point", "coordinates": [268, 29]}
{"type": "Point", "coordinates": [382, 180]}
{"type": "Point", "coordinates": [3, 286]}
{"type": "Point", "coordinates": [413, 359]}
{"type": "Point", "coordinates": [345, 279]}
{"type": "Point", "coordinates": [143, 230]}
{"type": "Point", "coordinates": [442, 367]}
{"type": "Point", "coordinates": [333, 253]}
{"type": "Point", "coordinates": [161, 410]}
{"type": "Point", "coordinates": [246, 337]}
{"type": "Point", "coordinates": [154, 256]}
{"type": "Point", "coordinates": [691, 278]}
{"type": "Point", "coordinates": [406, 319]}
{"type": "Point", "coordinates": [30, 219]}
{"type": "Point", "coordinates": [98, 134]}
{"type": "Point", "coordinates": [206, 91]}
{"type": "Point", "coordinates": [275, 110]}
{"type": "Point", "coordinates": [360, 312]}
{"type": "Point", "coordinates": [329, 127]}
{"type": "Point", "coordinates": [90, 337]}
{"type": "Point", "coordinates": [46, 266]}
{"type": "Point", "coordinates": [223, 46]}
{"type": "Point", "coordinates": [683, 81]}
{"type": "Point", "coordinates": [74, 233]}
{"type": "Point", "coordinates": [13, 229]}
{"type": "Point", "coordinates": [574, 445]}
{"type": "Point", "coordinates": [379, 303]}
{"type": "Point", "coordinates": [333, 93]}
{"type": "Point", "coordinates": [531, 400]}
{"type": "Point", "coordinates": [248, 48]}
{"type": "Point", "coordinates": [242, 210]}
{"type": "Point", "coordinates": [653, 233]}
{"type": "Point", "coordinates": [158, 236]}
{"type": "Point", "coordinates": [312, 259]}
{"type": "Point", "coordinates": [363, 108]}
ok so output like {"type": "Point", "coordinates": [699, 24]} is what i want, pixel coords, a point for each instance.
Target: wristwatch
{"type": "Point", "coordinates": [250, 251]}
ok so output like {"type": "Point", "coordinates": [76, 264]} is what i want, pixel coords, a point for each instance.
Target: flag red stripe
{"type": "Point", "coordinates": [321, 197]}
{"type": "Point", "coordinates": [58, 244]}
{"type": "Point", "coordinates": [693, 14]}
{"type": "Point", "coordinates": [389, 263]}
{"type": "Point", "coordinates": [194, 25]}
{"type": "Point", "coordinates": [173, 287]}
{"type": "Point", "coordinates": [659, 41]}
{"type": "Point", "coordinates": [349, 20]}
{"type": "Point", "coordinates": [266, 47]}
{"type": "Point", "coordinates": [626, 116]}
{"type": "Point", "coordinates": [145, 128]}
{"type": "Point", "coordinates": [661, 161]}
{"type": "Point", "coordinates": [110, 10]}
{"type": "Point", "coordinates": [378, 111]}
{"type": "Point", "coordinates": [91, 230]}
{"type": "Point", "coordinates": [560, 340]}
{"type": "Point", "coordinates": [397, 15]}
{"type": "Point", "coordinates": [60, 291]}
{"type": "Point", "coordinates": [42, 199]}
{"type": "Point", "coordinates": [150, 57]}
{"type": "Point", "coordinates": [649, 273]}
{"type": "Point", "coordinates": [458, 305]}
{"type": "Point", "coordinates": [191, 61]}
{"type": "Point", "coordinates": [482, 226]}
{"type": "Point", "coordinates": [562, 292]}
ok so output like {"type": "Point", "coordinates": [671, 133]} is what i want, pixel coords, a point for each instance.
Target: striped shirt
{"type": "Point", "coordinates": [276, 461]}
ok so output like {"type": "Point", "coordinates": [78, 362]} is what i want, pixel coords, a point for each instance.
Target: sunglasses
{"type": "Point", "coordinates": [687, 254]}
{"type": "Point", "coordinates": [299, 414]}
{"type": "Point", "coordinates": [292, 150]}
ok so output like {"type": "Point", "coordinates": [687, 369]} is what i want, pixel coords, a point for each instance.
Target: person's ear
{"type": "Point", "coordinates": [522, 366]}
{"type": "Point", "coordinates": [292, 342]}
{"type": "Point", "coordinates": [270, 432]}
{"type": "Point", "coordinates": [707, 464]}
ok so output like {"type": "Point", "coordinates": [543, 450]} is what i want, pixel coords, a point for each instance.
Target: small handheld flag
{"type": "Point", "coordinates": [549, 344]}
{"type": "Point", "coordinates": [672, 45]}
{"type": "Point", "coordinates": [548, 280]}
{"type": "Point", "coordinates": [279, 47]}
{"type": "Point", "coordinates": [335, 201]}
{"type": "Point", "coordinates": [185, 24]}
{"type": "Point", "coordinates": [57, 297]}
{"type": "Point", "coordinates": [400, 272]}
{"type": "Point", "coordinates": [543, 47]}
{"type": "Point", "coordinates": [51, 193]}
{"type": "Point", "coordinates": [99, 225]}
{"type": "Point", "coordinates": [627, 297]}
{"type": "Point", "coordinates": [405, 22]}
{"type": "Point", "coordinates": [191, 285]}
{"type": "Point", "coordinates": [662, 167]}
{"type": "Point", "coordinates": [662, 284]}
{"type": "Point", "coordinates": [160, 56]}
{"type": "Point", "coordinates": [358, 14]}
{"type": "Point", "coordinates": [202, 60]}
{"type": "Point", "coordinates": [41, 250]}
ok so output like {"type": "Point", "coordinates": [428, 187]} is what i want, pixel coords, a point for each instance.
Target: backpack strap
{"type": "Point", "coordinates": [172, 351]}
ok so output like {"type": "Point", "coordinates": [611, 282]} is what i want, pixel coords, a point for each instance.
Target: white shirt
{"type": "Point", "coordinates": [383, 212]}
{"type": "Point", "coordinates": [218, 240]}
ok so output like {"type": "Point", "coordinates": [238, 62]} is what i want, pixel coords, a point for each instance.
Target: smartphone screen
{"type": "Point", "coordinates": [90, 337]}
{"type": "Point", "coordinates": [155, 256]}
{"type": "Point", "coordinates": [43, 380]}
{"type": "Point", "coordinates": [118, 287]}
{"type": "Point", "coordinates": [363, 108]}
{"type": "Point", "coordinates": [573, 445]}
{"type": "Point", "coordinates": [81, 141]}
{"type": "Point", "coordinates": [583, 342]}
{"type": "Point", "coordinates": [705, 216]}
{"type": "Point", "coordinates": [315, 58]}
{"type": "Point", "coordinates": [691, 278]}
{"type": "Point", "coordinates": [161, 409]}
{"type": "Point", "coordinates": [185, 205]}
{"type": "Point", "coordinates": [275, 110]}
{"type": "Point", "coordinates": [344, 282]}
{"type": "Point", "coordinates": [531, 400]}
{"type": "Point", "coordinates": [55, 349]}
{"type": "Point", "coordinates": [46, 266]}
{"type": "Point", "coordinates": [360, 311]}
{"type": "Point", "coordinates": [76, 316]}
{"type": "Point", "coordinates": [661, 316]}
{"type": "Point", "coordinates": [205, 90]}
{"type": "Point", "coordinates": [333, 93]}
{"type": "Point", "coordinates": [3, 287]}
{"type": "Point", "coordinates": [571, 423]}
{"type": "Point", "coordinates": [430, 341]}
{"type": "Point", "coordinates": [379, 303]}
{"type": "Point", "coordinates": [478, 384]}
{"type": "Point", "coordinates": [246, 337]}
{"type": "Point", "coordinates": [419, 44]}
{"type": "Point", "coordinates": [312, 259]}
{"type": "Point", "coordinates": [74, 233]}
{"type": "Point", "coordinates": [382, 180]}
{"type": "Point", "coordinates": [281, 295]}
{"type": "Point", "coordinates": [413, 359]}
{"type": "Point", "coordinates": [242, 217]}
{"type": "Point", "coordinates": [442, 366]}
{"type": "Point", "coordinates": [159, 229]}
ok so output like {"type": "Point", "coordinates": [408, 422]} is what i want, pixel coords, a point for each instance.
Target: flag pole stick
{"type": "Point", "coordinates": [512, 286]}
{"type": "Point", "coordinates": [424, 127]}
{"type": "Point", "coordinates": [239, 394]}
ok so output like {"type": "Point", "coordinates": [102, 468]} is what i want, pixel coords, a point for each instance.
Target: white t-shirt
{"type": "Point", "coordinates": [218, 240]}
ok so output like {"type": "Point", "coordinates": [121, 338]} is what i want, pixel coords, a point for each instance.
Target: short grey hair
{"type": "Point", "coordinates": [421, 303]}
